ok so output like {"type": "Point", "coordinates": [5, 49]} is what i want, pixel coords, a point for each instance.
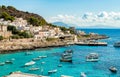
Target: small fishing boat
{"type": "Point", "coordinates": [117, 44]}
{"type": "Point", "coordinates": [60, 65]}
{"type": "Point", "coordinates": [52, 71]}
{"type": "Point", "coordinates": [92, 57]}
{"type": "Point", "coordinates": [28, 53]}
{"type": "Point", "coordinates": [113, 69]}
{"type": "Point", "coordinates": [34, 69]}
{"type": "Point", "coordinates": [30, 63]}
{"type": "Point", "coordinates": [36, 59]}
{"type": "Point", "coordinates": [8, 62]}
{"type": "Point", "coordinates": [65, 76]}
{"type": "Point", "coordinates": [2, 63]}
{"type": "Point", "coordinates": [83, 74]}
{"type": "Point", "coordinates": [42, 56]}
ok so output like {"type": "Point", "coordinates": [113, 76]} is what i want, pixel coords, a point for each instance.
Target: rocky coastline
{"type": "Point", "coordinates": [16, 45]}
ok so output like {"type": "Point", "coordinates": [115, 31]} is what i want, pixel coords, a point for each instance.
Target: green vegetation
{"type": "Point", "coordinates": [51, 39]}
{"type": "Point", "coordinates": [86, 35]}
{"type": "Point", "coordinates": [6, 16]}
{"type": "Point", "coordinates": [18, 34]}
{"type": "Point", "coordinates": [1, 38]}
{"type": "Point", "coordinates": [36, 22]}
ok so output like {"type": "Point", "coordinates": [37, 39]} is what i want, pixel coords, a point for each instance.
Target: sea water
{"type": "Point", "coordinates": [108, 55]}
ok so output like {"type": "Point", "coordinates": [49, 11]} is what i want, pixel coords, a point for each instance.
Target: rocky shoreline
{"type": "Point", "coordinates": [16, 45]}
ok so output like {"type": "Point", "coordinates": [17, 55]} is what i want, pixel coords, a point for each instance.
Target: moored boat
{"type": "Point", "coordinates": [92, 57]}
{"type": "Point", "coordinates": [52, 71]}
{"type": "Point", "coordinates": [8, 62]}
{"type": "Point", "coordinates": [2, 63]}
{"type": "Point", "coordinates": [28, 53]}
{"type": "Point", "coordinates": [29, 63]}
{"type": "Point", "coordinates": [60, 65]}
{"type": "Point", "coordinates": [113, 69]}
{"type": "Point", "coordinates": [117, 44]}
{"type": "Point", "coordinates": [34, 69]}
{"type": "Point", "coordinates": [35, 59]}
{"type": "Point", "coordinates": [42, 56]}
{"type": "Point", "coordinates": [65, 76]}
{"type": "Point", "coordinates": [83, 74]}
{"type": "Point", "coordinates": [66, 56]}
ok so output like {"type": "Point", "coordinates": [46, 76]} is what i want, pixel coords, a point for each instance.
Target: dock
{"type": "Point", "coordinates": [91, 43]}
{"type": "Point", "coordinates": [20, 74]}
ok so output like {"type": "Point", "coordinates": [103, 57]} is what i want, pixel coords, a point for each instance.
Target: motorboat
{"type": "Point", "coordinates": [34, 69]}
{"type": "Point", "coordinates": [2, 63]}
{"type": "Point", "coordinates": [113, 69]}
{"type": "Point", "coordinates": [8, 62]}
{"type": "Point", "coordinates": [92, 57]}
{"type": "Point", "coordinates": [83, 74]}
{"type": "Point", "coordinates": [117, 44]}
{"type": "Point", "coordinates": [36, 59]}
{"type": "Point", "coordinates": [52, 71]}
{"type": "Point", "coordinates": [30, 63]}
{"type": "Point", "coordinates": [66, 56]}
{"type": "Point", "coordinates": [65, 76]}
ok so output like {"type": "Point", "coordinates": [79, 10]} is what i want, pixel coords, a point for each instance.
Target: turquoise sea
{"type": "Point", "coordinates": [109, 56]}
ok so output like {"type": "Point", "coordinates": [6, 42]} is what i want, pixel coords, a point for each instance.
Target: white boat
{"type": "Point", "coordinates": [2, 63]}
{"type": "Point", "coordinates": [43, 76]}
{"type": "Point", "coordinates": [34, 69]}
{"type": "Point", "coordinates": [42, 56]}
{"type": "Point", "coordinates": [28, 53]}
{"type": "Point", "coordinates": [60, 65]}
{"type": "Point", "coordinates": [35, 59]}
{"type": "Point", "coordinates": [8, 62]}
{"type": "Point", "coordinates": [52, 71]}
{"type": "Point", "coordinates": [66, 57]}
{"type": "Point", "coordinates": [117, 44]}
{"type": "Point", "coordinates": [30, 63]}
{"type": "Point", "coordinates": [83, 74]}
{"type": "Point", "coordinates": [65, 76]}
{"type": "Point", "coordinates": [92, 57]}
{"type": "Point", "coordinates": [113, 69]}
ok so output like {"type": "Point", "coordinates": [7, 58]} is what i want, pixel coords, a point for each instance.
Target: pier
{"type": "Point", "coordinates": [91, 43]}
{"type": "Point", "coordinates": [20, 74]}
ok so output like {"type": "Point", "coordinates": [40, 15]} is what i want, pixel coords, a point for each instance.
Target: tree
{"type": "Point", "coordinates": [34, 21]}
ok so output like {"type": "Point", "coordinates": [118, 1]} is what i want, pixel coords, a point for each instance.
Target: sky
{"type": "Point", "coordinates": [83, 13]}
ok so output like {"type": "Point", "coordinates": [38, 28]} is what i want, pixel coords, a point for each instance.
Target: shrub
{"type": "Point", "coordinates": [1, 37]}
{"type": "Point", "coordinates": [6, 16]}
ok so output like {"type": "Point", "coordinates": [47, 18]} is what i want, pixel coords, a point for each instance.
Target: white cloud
{"type": "Point", "coordinates": [108, 19]}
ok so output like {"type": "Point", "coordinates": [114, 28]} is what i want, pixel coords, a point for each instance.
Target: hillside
{"type": "Point", "coordinates": [10, 10]}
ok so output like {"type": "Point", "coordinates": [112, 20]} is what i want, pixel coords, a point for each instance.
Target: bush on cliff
{"type": "Point", "coordinates": [51, 39]}
{"type": "Point", "coordinates": [6, 16]}
{"type": "Point", "coordinates": [36, 22]}
{"type": "Point", "coordinates": [1, 38]}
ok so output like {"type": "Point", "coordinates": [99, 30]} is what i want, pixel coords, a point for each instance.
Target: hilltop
{"type": "Point", "coordinates": [12, 11]}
